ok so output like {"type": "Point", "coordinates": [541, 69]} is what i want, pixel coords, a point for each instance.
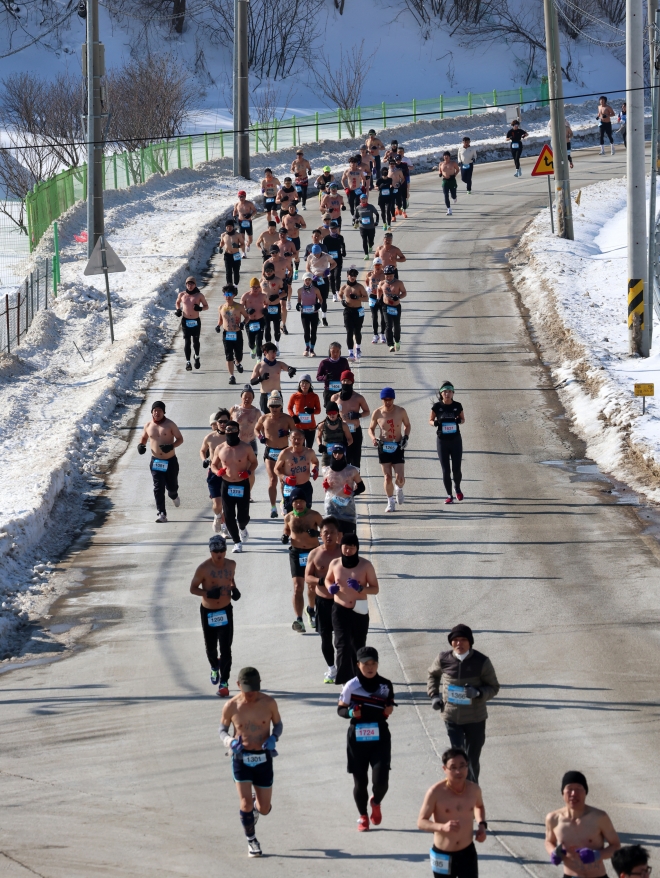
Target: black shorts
{"type": "Point", "coordinates": [308, 490]}
{"type": "Point", "coordinates": [298, 561]}
{"type": "Point", "coordinates": [215, 484]}
{"type": "Point", "coordinates": [233, 347]}
{"type": "Point", "coordinates": [245, 230]}
{"type": "Point", "coordinates": [296, 243]}
{"type": "Point", "coordinates": [259, 775]}
{"type": "Point", "coordinates": [390, 457]}
{"type": "Point", "coordinates": [269, 456]}
{"type": "Point", "coordinates": [361, 755]}
{"type": "Point", "coordinates": [463, 863]}
{"type": "Point", "coordinates": [270, 204]}
{"type": "Point", "coordinates": [191, 327]}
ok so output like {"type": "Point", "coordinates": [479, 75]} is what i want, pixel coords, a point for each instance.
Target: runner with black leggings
{"type": "Point", "coordinates": [516, 135]}
{"type": "Point", "coordinates": [446, 415]}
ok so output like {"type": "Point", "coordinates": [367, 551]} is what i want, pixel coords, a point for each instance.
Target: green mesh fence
{"type": "Point", "coordinates": [53, 197]}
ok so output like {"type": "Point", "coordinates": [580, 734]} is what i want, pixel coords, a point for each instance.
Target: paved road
{"type": "Point", "coordinates": [109, 757]}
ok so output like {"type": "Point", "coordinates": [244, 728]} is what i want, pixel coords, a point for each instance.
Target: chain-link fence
{"type": "Point", "coordinates": [17, 309]}
{"type": "Point", "coordinates": [14, 245]}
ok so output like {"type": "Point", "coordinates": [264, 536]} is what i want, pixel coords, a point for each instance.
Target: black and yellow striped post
{"type": "Point", "coordinates": [635, 306]}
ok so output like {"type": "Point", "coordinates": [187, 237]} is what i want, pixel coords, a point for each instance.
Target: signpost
{"type": "Point", "coordinates": [544, 167]}
{"type": "Point", "coordinates": [105, 261]}
{"type": "Point", "coordinates": [644, 390]}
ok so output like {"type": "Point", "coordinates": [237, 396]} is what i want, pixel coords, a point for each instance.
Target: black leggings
{"type": "Point", "coordinates": [190, 335]}
{"type": "Point", "coordinates": [393, 322]}
{"type": "Point", "coordinates": [515, 155]}
{"type": "Point", "coordinates": [351, 631]}
{"type": "Point", "coordinates": [324, 289]}
{"type": "Point", "coordinates": [256, 339]}
{"type": "Point", "coordinates": [387, 207]}
{"type": "Point", "coordinates": [353, 323]}
{"type": "Point", "coordinates": [275, 320]}
{"type": "Point", "coordinates": [368, 236]}
{"type": "Point", "coordinates": [400, 197]}
{"type": "Point", "coordinates": [232, 505]}
{"type": "Point", "coordinates": [310, 324]}
{"type": "Point", "coordinates": [606, 128]}
{"type": "Point", "coordinates": [353, 201]}
{"type": "Point", "coordinates": [309, 437]}
{"type": "Point", "coordinates": [165, 481]}
{"type": "Point", "coordinates": [221, 637]}
{"type": "Point", "coordinates": [232, 268]}
{"type": "Point", "coordinates": [450, 450]}
{"type": "Point", "coordinates": [380, 781]}
{"type": "Point", "coordinates": [335, 279]}
{"type": "Point", "coordinates": [375, 312]}
{"type": "Point", "coordinates": [324, 628]}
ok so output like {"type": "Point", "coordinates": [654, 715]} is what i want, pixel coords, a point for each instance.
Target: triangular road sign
{"type": "Point", "coordinates": [95, 264]}
{"type": "Point", "coordinates": [544, 165]}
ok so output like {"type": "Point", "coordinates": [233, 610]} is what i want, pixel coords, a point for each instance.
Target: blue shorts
{"type": "Point", "coordinates": [260, 775]}
{"type": "Point", "coordinates": [215, 484]}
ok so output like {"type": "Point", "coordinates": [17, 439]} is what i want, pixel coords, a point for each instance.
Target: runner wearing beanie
{"type": "Point", "coordinates": [393, 426]}
{"type": "Point", "coordinates": [578, 837]}
{"type": "Point", "coordinates": [392, 291]}
{"type": "Point", "coordinates": [297, 466]}
{"type": "Point", "coordinates": [303, 405]}
{"type": "Point", "coordinates": [235, 461]}
{"type": "Point", "coordinates": [342, 484]}
{"type": "Point", "coordinates": [232, 244]}
{"type": "Point", "coordinates": [244, 212]}
{"type": "Point", "coordinates": [335, 246]}
{"type": "Point", "coordinates": [164, 437]}
{"type": "Point", "coordinates": [353, 297]}
{"type": "Point", "coordinates": [321, 265]}
{"type": "Point", "coordinates": [366, 218]}
{"type": "Point", "coordinates": [215, 584]}
{"type": "Point", "coordinates": [315, 572]}
{"type": "Point", "coordinates": [231, 318]}
{"type": "Point", "coordinates": [255, 302]}
{"type": "Point", "coordinates": [330, 369]}
{"type": "Point", "coordinates": [352, 407]}
{"type": "Point", "coordinates": [309, 302]}
{"type": "Point", "coordinates": [446, 415]}
{"type": "Point", "coordinates": [374, 278]}
{"type": "Point", "coordinates": [367, 700]}
{"type": "Point", "coordinates": [302, 526]}
{"type": "Point", "coordinates": [460, 682]}
{"type": "Point", "coordinates": [273, 431]}
{"type": "Point", "coordinates": [189, 303]}
{"type": "Point", "coordinates": [252, 747]}
{"type": "Point", "coordinates": [349, 580]}
{"type": "Point", "coordinates": [332, 431]}
{"type": "Point", "coordinates": [218, 422]}
{"type": "Point", "coordinates": [246, 416]}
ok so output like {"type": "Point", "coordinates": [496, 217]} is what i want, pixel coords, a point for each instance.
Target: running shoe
{"type": "Point", "coordinates": [255, 811]}
{"type": "Point", "coordinates": [398, 494]}
{"type": "Point", "coordinates": [161, 518]}
{"type": "Point", "coordinates": [449, 500]}
{"type": "Point", "coordinates": [177, 501]}
{"type": "Point", "coordinates": [217, 523]}
{"type": "Point", "coordinates": [223, 690]}
{"type": "Point", "coordinates": [405, 214]}
{"type": "Point", "coordinates": [284, 329]}
{"type": "Point", "coordinates": [232, 379]}
{"type": "Point", "coordinates": [247, 249]}
{"type": "Point", "coordinates": [238, 548]}
{"type": "Point", "coordinates": [358, 352]}
{"type": "Point", "coordinates": [273, 511]}
{"type": "Point", "coordinates": [335, 297]}
{"type": "Point", "coordinates": [375, 339]}
{"type": "Point", "coordinates": [613, 151]}
{"type": "Point", "coordinates": [223, 530]}
{"type": "Point", "coordinates": [351, 355]}
{"type": "Point", "coordinates": [384, 227]}
{"type": "Point", "coordinates": [239, 368]}
{"type": "Point", "coordinates": [469, 192]}
{"type": "Point", "coordinates": [306, 352]}
{"type": "Point", "coordinates": [383, 339]}
{"type": "Point", "coordinates": [188, 366]}
{"type": "Point", "coordinates": [391, 505]}
{"type": "Point", "coordinates": [311, 352]}
{"type": "Point", "coordinates": [295, 277]}
{"type": "Point", "coordinates": [215, 676]}
{"type": "Point", "coordinates": [311, 616]}
{"type": "Point", "coordinates": [254, 848]}
{"type": "Point", "coordinates": [363, 823]}
{"type": "Point", "coordinates": [298, 625]}
{"type": "Point", "coordinates": [394, 218]}
{"type": "Point", "coordinates": [397, 346]}
{"type": "Point", "coordinates": [459, 495]}
{"type": "Point", "coordinates": [376, 815]}
{"type": "Point", "coordinates": [602, 150]}
{"type": "Point", "coordinates": [197, 363]}
{"type": "Point", "coordinates": [324, 321]}
{"type": "Point", "coordinates": [392, 349]}
{"type": "Point", "coordinates": [449, 213]}
{"type": "Point", "coordinates": [330, 674]}
{"type": "Point", "coordinates": [366, 256]}
{"type": "Point", "coordinates": [245, 536]}
{"type": "Point", "coordinates": [253, 353]}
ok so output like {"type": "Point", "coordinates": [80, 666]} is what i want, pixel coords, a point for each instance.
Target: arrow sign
{"type": "Point", "coordinates": [98, 265]}
{"type": "Point", "coordinates": [544, 164]}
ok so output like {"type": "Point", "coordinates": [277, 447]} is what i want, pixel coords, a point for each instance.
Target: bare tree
{"type": "Point", "coordinates": [268, 110]}
{"type": "Point", "coordinates": [152, 13]}
{"type": "Point", "coordinates": [449, 11]}
{"type": "Point", "coordinates": [281, 33]}
{"type": "Point", "coordinates": [613, 10]}
{"type": "Point", "coordinates": [341, 80]}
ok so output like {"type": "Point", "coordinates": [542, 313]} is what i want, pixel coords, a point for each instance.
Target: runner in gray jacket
{"type": "Point", "coordinates": [367, 217]}
{"type": "Point", "coordinates": [461, 681]}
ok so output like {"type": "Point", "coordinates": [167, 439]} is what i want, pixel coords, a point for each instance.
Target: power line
{"type": "Point", "coordinates": [593, 17]}
{"type": "Point", "coordinates": [588, 37]}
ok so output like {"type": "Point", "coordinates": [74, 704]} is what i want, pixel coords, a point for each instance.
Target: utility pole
{"type": "Point", "coordinates": [654, 76]}
{"type": "Point", "coordinates": [558, 123]}
{"type": "Point", "coordinates": [241, 95]}
{"type": "Point", "coordinates": [638, 334]}
{"type": "Point", "coordinates": [94, 65]}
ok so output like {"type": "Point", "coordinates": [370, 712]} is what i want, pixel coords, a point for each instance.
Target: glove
{"type": "Point", "coordinates": [347, 191]}
{"type": "Point", "coordinates": [222, 471]}
{"type": "Point", "coordinates": [313, 532]}
{"type": "Point", "coordinates": [472, 692]}
{"type": "Point", "coordinates": [348, 491]}
{"type": "Point", "coordinates": [404, 441]}
{"type": "Point", "coordinates": [235, 593]}
{"type": "Point", "coordinates": [322, 581]}
{"type": "Point", "coordinates": [298, 306]}
{"type": "Point", "coordinates": [323, 448]}
{"type": "Point", "coordinates": [290, 480]}
{"type": "Point", "coordinates": [179, 312]}
{"type": "Point", "coordinates": [352, 416]}
{"type": "Point", "coordinates": [326, 273]}
{"type": "Point", "coordinates": [166, 448]}
{"type": "Point", "coordinates": [262, 438]}
{"type": "Point", "coordinates": [296, 419]}
{"type": "Point", "coordinates": [354, 584]}
{"type": "Point", "coordinates": [334, 588]}
{"type": "Point", "coordinates": [315, 473]}
{"type": "Point", "coordinates": [326, 485]}
{"type": "Point", "coordinates": [587, 855]}
{"type": "Point", "coordinates": [274, 297]}
{"type": "Point", "coordinates": [557, 856]}
{"type": "Point", "coordinates": [141, 448]}
{"type": "Point", "coordinates": [309, 410]}
{"type": "Point", "coordinates": [198, 307]}
{"type": "Point", "coordinates": [218, 328]}
{"type": "Point", "coordinates": [284, 539]}
{"type": "Point", "coordinates": [237, 745]}
{"type": "Point", "coordinates": [282, 432]}
{"type": "Point", "coordinates": [352, 296]}
{"type": "Point", "coordinates": [343, 207]}
{"type": "Point", "coordinates": [213, 593]}
{"type": "Point", "coordinates": [244, 474]}
{"type": "Point", "coordinates": [437, 703]}
{"type": "Point", "coordinates": [251, 311]}
{"type": "Point", "coordinates": [206, 462]}
{"type": "Point", "coordinates": [292, 371]}
{"type": "Point", "coordinates": [270, 743]}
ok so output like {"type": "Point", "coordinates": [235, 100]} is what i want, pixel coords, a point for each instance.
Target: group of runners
{"type": "Point", "coordinates": [317, 439]}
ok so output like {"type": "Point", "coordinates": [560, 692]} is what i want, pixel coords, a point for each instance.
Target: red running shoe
{"type": "Point", "coordinates": [376, 816]}
{"type": "Point", "coordinates": [449, 500]}
{"type": "Point", "coordinates": [223, 690]}
{"type": "Point", "coordinates": [459, 495]}
{"type": "Point", "coordinates": [363, 823]}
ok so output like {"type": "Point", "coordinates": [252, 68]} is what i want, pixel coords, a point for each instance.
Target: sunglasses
{"type": "Point", "coordinates": [223, 422]}
{"type": "Point", "coordinates": [274, 405]}
{"type": "Point", "coordinates": [190, 283]}
{"type": "Point", "coordinates": [218, 551]}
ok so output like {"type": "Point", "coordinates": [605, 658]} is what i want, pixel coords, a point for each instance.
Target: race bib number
{"type": "Point", "coordinates": [286, 489]}
{"type": "Point", "coordinates": [340, 499]}
{"type": "Point", "coordinates": [333, 253]}
{"type": "Point", "coordinates": [160, 465]}
{"type": "Point", "coordinates": [373, 301]}
{"type": "Point", "coordinates": [191, 323]}
{"type": "Point", "coordinates": [236, 491]}
{"type": "Point", "coordinates": [302, 559]}
{"type": "Point", "coordinates": [335, 386]}
{"type": "Point", "coordinates": [304, 418]}
{"type": "Point", "coordinates": [440, 863]}
{"type": "Point", "coordinates": [254, 327]}
{"type": "Point", "coordinates": [391, 310]}
{"type": "Point", "coordinates": [351, 428]}
{"type": "Point", "coordinates": [515, 146]}
{"type": "Point", "coordinates": [395, 190]}
{"type": "Point", "coordinates": [237, 257]}
{"type": "Point", "coordinates": [308, 309]}
{"type": "Point", "coordinates": [270, 201]}
{"type": "Point", "coordinates": [298, 188]}
{"type": "Point", "coordinates": [367, 732]}
{"type": "Point", "coordinates": [217, 619]}
{"type": "Point", "coordinates": [251, 759]}
{"type": "Point", "coordinates": [358, 191]}
{"type": "Point", "coordinates": [230, 336]}
{"type": "Point", "coordinates": [366, 220]}
{"type": "Point", "coordinates": [456, 695]}
{"type": "Point", "coordinates": [384, 191]}
{"type": "Point", "coordinates": [360, 311]}
{"type": "Point", "coordinates": [274, 453]}
{"type": "Point", "coordinates": [448, 429]}
{"type": "Point", "coordinates": [273, 309]}
{"type": "Point", "coordinates": [466, 167]}
{"type": "Point", "coordinates": [245, 224]}
{"type": "Point", "coordinates": [390, 447]}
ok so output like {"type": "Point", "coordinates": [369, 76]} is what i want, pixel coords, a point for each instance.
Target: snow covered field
{"type": "Point", "coordinates": [576, 293]}
{"type": "Point", "coordinates": [67, 391]}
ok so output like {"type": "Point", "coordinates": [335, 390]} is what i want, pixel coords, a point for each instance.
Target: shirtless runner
{"type": "Point", "coordinates": [578, 836]}
{"type": "Point", "coordinates": [393, 427]}
{"type": "Point", "coordinates": [332, 204]}
{"type": "Point", "coordinates": [301, 526]}
{"type": "Point", "coordinates": [391, 291]}
{"type": "Point", "coordinates": [218, 421]}
{"type": "Point", "coordinates": [232, 244]}
{"type": "Point", "coordinates": [450, 808]}
{"type": "Point", "coordinates": [269, 188]}
{"type": "Point", "coordinates": [164, 436]}
{"type": "Point", "coordinates": [317, 566]}
{"type": "Point", "coordinates": [214, 583]}
{"type": "Point", "coordinates": [268, 373]}
{"type": "Point", "coordinates": [267, 238]}
{"type": "Point", "coordinates": [293, 223]}
{"type": "Point", "coordinates": [374, 145]}
{"type": "Point", "coordinates": [273, 431]}
{"type": "Point", "coordinates": [235, 461]}
{"type": "Point", "coordinates": [447, 171]}
{"type": "Point", "coordinates": [301, 169]}
{"type": "Point", "coordinates": [255, 303]}
{"type": "Point", "coordinates": [252, 747]}
{"type": "Point", "coordinates": [189, 303]}
{"type": "Point", "coordinates": [245, 211]}
{"type": "Point", "coordinates": [390, 254]}
{"type": "Point", "coordinates": [231, 318]}
{"type": "Point", "coordinates": [296, 466]}
{"type": "Point", "coordinates": [246, 416]}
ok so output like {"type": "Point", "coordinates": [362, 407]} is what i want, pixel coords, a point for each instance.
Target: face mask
{"type": "Point", "coordinates": [299, 514]}
{"type": "Point", "coordinates": [270, 362]}
{"type": "Point", "coordinates": [351, 283]}
{"type": "Point", "coordinates": [350, 560]}
{"type": "Point", "coordinates": [221, 429]}
{"type": "Point", "coordinates": [334, 233]}
{"type": "Point", "coordinates": [232, 438]}
{"type": "Point", "coordinates": [338, 465]}
{"type": "Point", "coordinates": [346, 391]}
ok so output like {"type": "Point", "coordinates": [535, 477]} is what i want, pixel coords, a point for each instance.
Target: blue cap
{"type": "Point", "coordinates": [337, 447]}
{"type": "Point", "coordinates": [387, 393]}
{"type": "Point", "coordinates": [316, 249]}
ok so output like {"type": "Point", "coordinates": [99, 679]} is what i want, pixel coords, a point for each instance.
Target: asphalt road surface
{"type": "Point", "coordinates": [110, 759]}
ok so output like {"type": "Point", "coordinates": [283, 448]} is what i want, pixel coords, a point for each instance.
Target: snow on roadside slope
{"type": "Point", "coordinates": [576, 293]}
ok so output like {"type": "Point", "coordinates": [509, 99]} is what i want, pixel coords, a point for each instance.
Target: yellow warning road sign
{"type": "Point", "coordinates": [544, 164]}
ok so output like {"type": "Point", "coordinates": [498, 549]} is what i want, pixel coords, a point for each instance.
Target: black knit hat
{"type": "Point", "coordinates": [574, 777]}
{"type": "Point", "coordinates": [461, 631]}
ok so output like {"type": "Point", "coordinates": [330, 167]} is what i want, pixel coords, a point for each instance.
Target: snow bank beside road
{"type": "Point", "coordinates": [576, 293]}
